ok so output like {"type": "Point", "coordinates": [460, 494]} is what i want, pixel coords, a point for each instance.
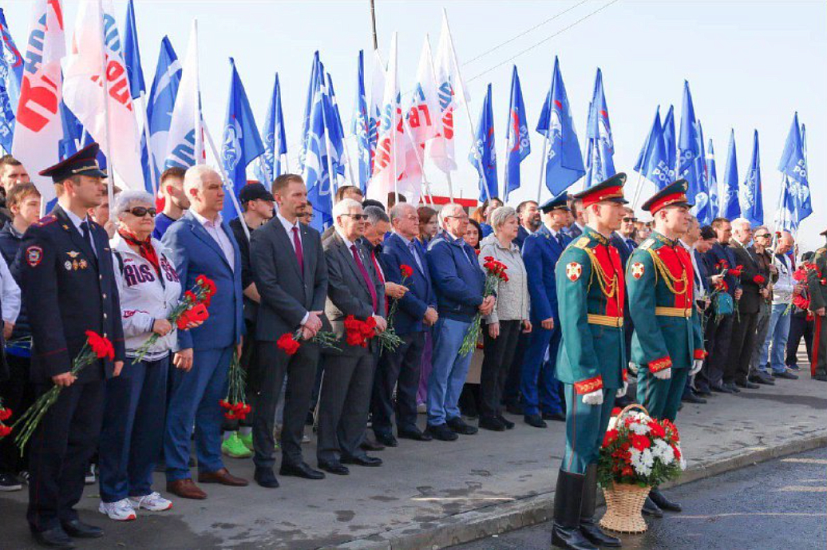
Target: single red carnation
{"type": "Point", "coordinates": [610, 437]}
{"type": "Point", "coordinates": [640, 442]}
{"type": "Point", "coordinates": [406, 270]}
{"type": "Point", "coordinates": [656, 429]}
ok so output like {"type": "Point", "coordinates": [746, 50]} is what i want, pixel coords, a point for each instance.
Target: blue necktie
{"type": "Point", "coordinates": [412, 248]}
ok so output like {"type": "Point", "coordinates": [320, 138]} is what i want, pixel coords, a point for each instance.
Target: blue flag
{"type": "Point", "coordinates": [361, 126]}
{"type": "Point", "coordinates": [337, 130]}
{"type": "Point", "coordinates": [317, 166]}
{"type": "Point", "coordinates": [241, 143]}
{"type": "Point", "coordinates": [11, 75]}
{"type": "Point", "coordinates": [749, 195]}
{"type": "Point", "coordinates": [599, 162]}
{"type": "Point", "coordinates": [516, 136]}
{"type": "Point", "coordinates": [269, 164]}
{"type": "Point", "coordinates": [564, 159]}
{"type": "Point", "coordinates": [159, 108]}
{"type": "Point", "coordinates": [689, 146]}
{"type": "Point", "coordinates": [712, 180]}
{"type": "Point", "coordinates": [794, 167]}
{"type": "Point", "coordinates": [132, 54]}
{"type": "Point", "coordinates": [703, 209]}
{"type": "Point", "coordinates": [655, 135]}
{"type": "Point", "coordinates": [670, 142]}
{"type": "Point", "coordinates": [729, 206]}
{"type": "Point", "coordinates": [483, 154]}
{"type": "Point", "coordinates": [653, 160]}
{"type": "Point", "coordinates": [310, 101]}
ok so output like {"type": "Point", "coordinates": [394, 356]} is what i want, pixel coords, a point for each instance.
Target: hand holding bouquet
{"type": "Point", "coordinates": [495, 272]}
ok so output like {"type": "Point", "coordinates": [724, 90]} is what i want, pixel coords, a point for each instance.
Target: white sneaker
{"type": "Point", "coordinates": [120, 510]}
{"type": "Point", "coordinates": [153, 502]}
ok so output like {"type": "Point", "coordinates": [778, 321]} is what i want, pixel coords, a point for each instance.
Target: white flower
{"type": "Point", "coordinates": [612, 423]}
{"type": "Point", "coordinates": [639, 429]}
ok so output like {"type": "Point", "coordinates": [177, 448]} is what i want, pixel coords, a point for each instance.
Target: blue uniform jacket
{"type": "Point", "coordinates": [420, 295]}
{"type": "Point", "coordinates": [195, 253]}
{"type": "Point", "coordinates": [541, 252]}
{"type": "Point", "coordinates": [457, 276]}
{"type": "Point", "coordinates": [717, 253]}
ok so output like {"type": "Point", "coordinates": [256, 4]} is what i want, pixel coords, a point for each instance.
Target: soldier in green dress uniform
{"type": "Point", "coordinates": [817, 286]}
{"type": "Point", "coordinates": [667, 345]}
{"type": "Point", "coordinates": [591, 361]}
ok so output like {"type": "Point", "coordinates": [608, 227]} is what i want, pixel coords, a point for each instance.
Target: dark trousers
{"type": "Point", "coordinates": [800, 327]}
{"type": "Point", "coordinates": [717, 360]}
{"type": "Point", "coordinates": [399, 369]}
{"type": "Point", "coordinates": [133, 429]}
{"type": "Point", "coordinates": [539, 385]}
{"type": "Point", "coordinates": [499, 355]}
{"type": "Point", "coordinates": [59, 452]}
{"type": "Point", "coordinates": [741, 346]}
{"type": "Point", "coordinates": [511, 388]}
{"type": "Point", "coordinates": [343, 405]}
{"type": "Point", "coordinates": [273, 366]}
{"type": "Point", "coordinates": [703, 379]}
{"type": "Point", "coordinates": [17, 395]}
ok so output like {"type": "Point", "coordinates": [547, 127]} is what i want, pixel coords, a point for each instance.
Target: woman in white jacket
{"type": "Point", "coordinates": [135, 403]}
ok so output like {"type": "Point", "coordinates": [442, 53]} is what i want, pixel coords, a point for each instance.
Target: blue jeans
{"type": "Point", "coordinates": [775, 345]}
{"type": "Point", "coordinates": [448, 371]}
{"type": "Point", "coordinates": [194, 401]}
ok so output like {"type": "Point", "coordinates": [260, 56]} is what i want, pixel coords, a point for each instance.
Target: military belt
{"type": "Point", "coordinates": [605, 320]}
{"type": "Point", "coordinates": [673, 312]}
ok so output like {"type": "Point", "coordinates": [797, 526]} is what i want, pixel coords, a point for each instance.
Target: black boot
{"type": "Point", "coordinates": [651, 509]}
{"type": "Point", "coordinates": [663, 502]}
{"type": "Point", "coordinates": [567, 501]}
{"type": "Point", "coordinates": [588, 525]}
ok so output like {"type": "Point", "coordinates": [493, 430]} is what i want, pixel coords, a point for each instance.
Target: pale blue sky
{"type": "Point", "coordinates": [749, 64]}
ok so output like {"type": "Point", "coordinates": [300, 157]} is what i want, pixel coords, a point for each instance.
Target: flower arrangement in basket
{"type": "Point", "coordinates": [638, 453]}
{"type": "Point", "coordinates": [495, 271]}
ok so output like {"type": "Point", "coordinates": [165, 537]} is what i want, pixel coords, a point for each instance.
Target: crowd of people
{"type": "Point", "coordinates": [121, 270]}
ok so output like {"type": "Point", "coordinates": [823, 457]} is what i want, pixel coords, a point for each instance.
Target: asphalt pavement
{"type": "Point", "coordinates": [778, 504]}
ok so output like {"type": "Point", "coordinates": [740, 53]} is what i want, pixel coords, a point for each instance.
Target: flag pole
{"type": "Point", "coordinates": [110, 189]}
{"type": "Point", "coordinates": [224, 177]}
{"type": "Point", "coordinates": [450, 186]}
{"type": "Point", "coordinates": [406, 128]}
{"type": "Point", "coordinates": [151, 156]}
{"type": "Point", "coordinates": [373, 24]}
{"type": "Point", "coordinates": [542, 168]}
{"type": "Point", "coordinates": [639, 185]}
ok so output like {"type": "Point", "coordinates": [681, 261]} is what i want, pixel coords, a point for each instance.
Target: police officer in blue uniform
{"type": "Point", "coordinates": [541, 250]}
{"type": "Point", "coordinates": [68, 285]}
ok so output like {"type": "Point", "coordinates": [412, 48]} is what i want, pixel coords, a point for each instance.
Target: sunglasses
{"type": "Point", "coordinates": [141, 211]}
{"type": "Point", "coordinates": [762, 236]}
{"type": "Point", "coordinates": [357, 217]}
{"type": "Point", "coordinates": [628, 220]}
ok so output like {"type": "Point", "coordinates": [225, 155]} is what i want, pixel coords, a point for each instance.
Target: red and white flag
{"type": "Point", "coordinates": [85, 92]}
{"type": "Point", "coordinates": [452, 96]}
{"type": "Point", "coordinates": [38, 125]}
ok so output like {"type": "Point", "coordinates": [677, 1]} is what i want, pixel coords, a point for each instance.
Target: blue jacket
{"type": "Point", "coordinates": [9, 244]}
{"type": "Point", "coordinates": [715, 255]}
{"type": "Point", "coordinates": [457, 276]}
{"type": "Point", "coordinates": [522, 235]}
{"type": "Point", "coordinates": [420, 295]}
{"type": "Point", "coordinates": [541, 252]}
{"type": "Point", "coordinates": [195, 253]}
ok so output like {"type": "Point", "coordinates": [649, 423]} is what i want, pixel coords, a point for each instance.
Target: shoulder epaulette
{"type": "Point", "coordinates": [647, 244]}
{"type": "Point", "coordinates": [46, 220]}
{"type": "Point", "coordinates": [582, 242]}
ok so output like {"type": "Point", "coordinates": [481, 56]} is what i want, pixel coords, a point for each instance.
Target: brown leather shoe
{"type": "Point", "coordinates": [223, 477]}
{"type": "Point", "coordinates": [185, 488]}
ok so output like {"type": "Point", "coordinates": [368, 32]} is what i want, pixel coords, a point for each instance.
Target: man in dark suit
{"type": "Point", "coordinates": [416, 314]}
{"type": "Point", "coordinates": [290, 272]}
{"type": "Point", "coordinates": [68, 282]}
{"type": "Point", "coordinates": [528, 213]}
{"type": "Point", "coordinates": [353, 289]}
{"type": "Point", "coordinates": [705, 282]}
{"type": "Point", "coordinates": [203, 244]}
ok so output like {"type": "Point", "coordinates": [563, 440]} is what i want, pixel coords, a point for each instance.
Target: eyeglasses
{"type": "Point", "coordinates": [762, 236]}
{"type": "Point", "coordinates": [629, 220]}
{"type": "Point", "coordinates": [141, 211]}
{"type": "Point", "coordinates": [458, 217]}
{"type": "Point", "coordinates": [357, 217]}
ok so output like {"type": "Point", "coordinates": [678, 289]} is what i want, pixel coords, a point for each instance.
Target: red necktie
{"type": "Point", "coordinates": [365, 275]}
{"type": "Point", "coordinates": [297, 244]}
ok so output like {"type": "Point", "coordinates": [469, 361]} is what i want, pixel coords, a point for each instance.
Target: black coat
{"type": "Point", "coordinates": [751, 269]}
{"type": "Point", "coordinates": [67, 290]}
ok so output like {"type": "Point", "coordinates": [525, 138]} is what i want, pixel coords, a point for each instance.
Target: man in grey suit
{"type": "Point", "coordinates": [354, 288]}
{"type": "Point", "coordinates": [290, 273]}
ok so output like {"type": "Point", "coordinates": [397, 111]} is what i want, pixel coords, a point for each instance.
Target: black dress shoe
{"type": "Point", "coordinates": [786, 375]}
{"type": "Point", "coordinates": [386, 440]}
{"type": "Point", "coordinates": [703, 392]}
{"type": "Point", "coordinates": [514, 409]}
{"type": "Point", "coordinates": [692, 398]}
{"type": "Point", "coordinates": [509, 425]}
{"type": "Point", "coordinates": [369, 461]}
{"type": "Point", "coordinates": [535, 420]}
{"type": "Point", "coordinates": [491, 423]}
{"type": "Point", "coordinates": [662, 502]}
{"type": "Point", "coordinates": [720, 388]}
{"type": "Point", "coordinates": [266, 478]}
{"type": "Point", "coordinates": [460, 427]}
{"type": "Point", "coordinates": [442, 432]}
{"type": "Point", "coordinates": [414, 434]}
{"type": "Point", "coordinates": [368, 445]}
{"type": "Point", "coordinates": [334, 467]}
{"type": "Point", "coordinates": [762, 378]}
{"type": "Point", "coordinates": [651, 509]}
{"type": "Point", "coordinates": [732, 387]}
{"type": "Point", "coordinates": [53, 538]}
{"type": "Point", "coordinates": [746, 384]}
{"type": "Point", "coordinates": [559, 416]}
{"type": "Point", "coordinates": [301, 469]}
{"type": "Point", "coordinates": [820, 377]}
{"type": "Point", "coordinates": [79, 530]}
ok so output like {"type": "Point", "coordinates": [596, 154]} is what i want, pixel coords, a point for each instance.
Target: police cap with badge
{"type": "Point", "coordinates": [560, 202]}
{"type": "Point", "coordinates": [82, 163]}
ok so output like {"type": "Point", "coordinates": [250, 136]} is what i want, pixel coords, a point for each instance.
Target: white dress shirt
{"type": "Point", "coordinates": [10, 294]}
{"type": "Point", "coordinates": [216, 231]}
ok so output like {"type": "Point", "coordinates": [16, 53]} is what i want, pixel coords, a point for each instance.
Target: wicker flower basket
{"type": "Point", "coordinates": [624, 502]}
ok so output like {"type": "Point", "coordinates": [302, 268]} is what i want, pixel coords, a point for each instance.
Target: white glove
{"type": "Point", "coordinates": [696, 367]}
{"type": "Point", "coordinates": [593, 398]}
{"type": "Point", "coordinates": [633, 368]}
{"type": "Point", "coordinates": [664, 374]}
{"type": "Point", "coordinates": [622, 391]}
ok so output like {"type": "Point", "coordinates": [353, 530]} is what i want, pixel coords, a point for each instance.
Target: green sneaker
{"type": "Point", "coordinates": [234, 448]}
{"type": "Point", "coordinates": [247, 440]}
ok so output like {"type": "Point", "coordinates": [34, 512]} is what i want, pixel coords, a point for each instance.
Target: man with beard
{"type": "Point", "coordinates": [529, 214]}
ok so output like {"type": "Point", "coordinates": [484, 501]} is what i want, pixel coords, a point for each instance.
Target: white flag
{"type": "Point", "coordinates": [96, 36]}
{"type": "Point", "coordinates": [39, 128]}
{"type": "Point", "coordinates": [185, 142]}
{"type": "Point", "coordinates": [452, 95]}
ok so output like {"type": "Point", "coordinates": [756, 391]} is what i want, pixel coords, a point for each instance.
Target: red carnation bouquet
{"type": "Point", "coordinates": [389, 340]}
{"type": "Point", "coordinates": [495, 271]}
{"type": "Point", "coordinates": [359, 333]}
{"type": "Point", "coordinates": [235, 404]}
{"type": "Point", "coordinates": [192, 308]}
{"type": "Point", "coordinates": [96, 347]}
{"type": "Point", "coordinates": [290, 343]}
{"type": "Point", "coordinates": [5, 414]}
